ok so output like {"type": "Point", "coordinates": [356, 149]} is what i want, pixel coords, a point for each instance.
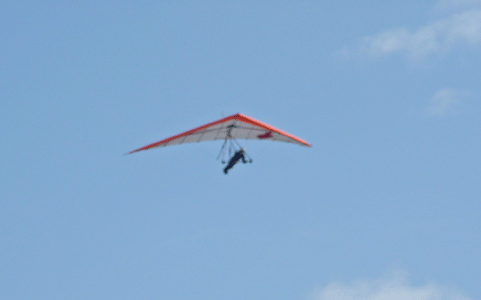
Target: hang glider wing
{"type": "Point", "coordinates": [237, 126]}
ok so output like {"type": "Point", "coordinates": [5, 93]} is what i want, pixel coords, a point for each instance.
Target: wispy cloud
{"type": "Point", "coordinates": [395, 287]}
{"type": "Point", "coordinates": [438, 36]}
{"type": "Point", "coordinates": [444, 101]}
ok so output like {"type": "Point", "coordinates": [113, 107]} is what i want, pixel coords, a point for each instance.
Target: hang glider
{"type": "Point", "coordinates": [233, 127]}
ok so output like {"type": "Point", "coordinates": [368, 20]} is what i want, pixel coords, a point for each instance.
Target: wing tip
{"type": "Point", "coordinates": [128, 153]}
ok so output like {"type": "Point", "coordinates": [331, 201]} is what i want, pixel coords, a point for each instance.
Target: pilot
{"type": "Point", "coordinates": [235, 159]}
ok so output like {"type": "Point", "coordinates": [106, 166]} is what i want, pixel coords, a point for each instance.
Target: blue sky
{"type": "Point", "coordinates": [384, 206]}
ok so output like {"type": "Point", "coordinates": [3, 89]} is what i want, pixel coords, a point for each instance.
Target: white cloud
{"type": "Point", "coordinates": [395, 287]}
{"type": "Point", "coordinates": [435, 37]}
{"type": "Point", "coordinates": [444, 100]}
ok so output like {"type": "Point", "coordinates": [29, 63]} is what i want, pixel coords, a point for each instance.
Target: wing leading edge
{"type": "Point", "coordinates": [237, 126]}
